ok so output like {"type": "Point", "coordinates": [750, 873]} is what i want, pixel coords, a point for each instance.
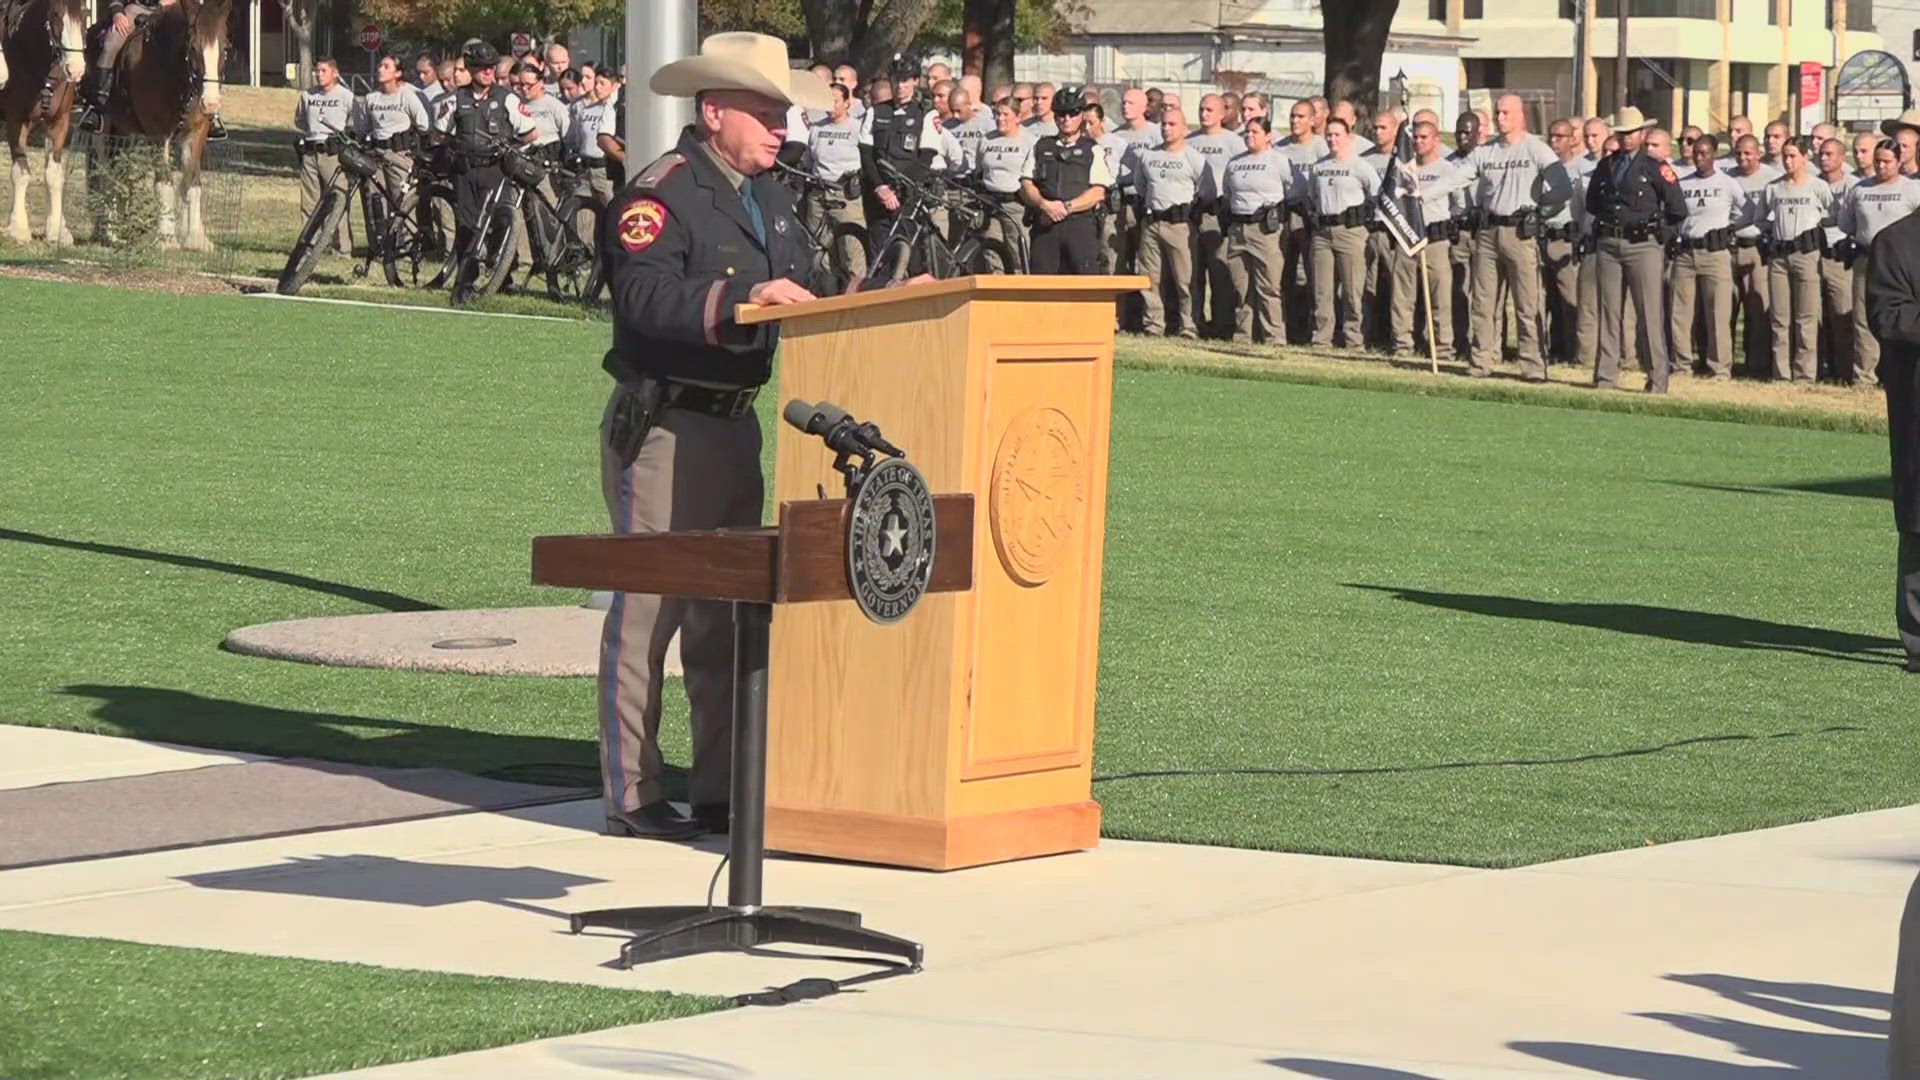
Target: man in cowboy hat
{"type": "Point", "coordinates": [702, 229]}
{"type": "Point", "coordinates": [1635, 199]}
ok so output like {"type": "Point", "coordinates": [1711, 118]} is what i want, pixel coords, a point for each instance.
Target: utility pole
{"type": "Point", "coordinates": [658, 33]}
{"type": "Point", "coordinates": [1582, 55]}
{"type": "Point", "coordinates": [1620, 60]}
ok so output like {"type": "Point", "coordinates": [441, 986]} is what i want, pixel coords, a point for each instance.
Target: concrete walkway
{"type": "Point", "coordinates": [1759, 955]}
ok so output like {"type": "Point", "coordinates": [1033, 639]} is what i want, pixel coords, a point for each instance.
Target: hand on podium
{"type": "Point", "coordinates": [778, 291]}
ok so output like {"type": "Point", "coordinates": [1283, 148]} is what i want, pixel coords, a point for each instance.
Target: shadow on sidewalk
{"type": "Point", "coordinates": [177, 716]}
{"type": "Point", "coordinates": [1848, 1040]}
{"type": "Point", "coordinates": [386, 880]}
{"type": "Point", "coordinates": [1671, 624]}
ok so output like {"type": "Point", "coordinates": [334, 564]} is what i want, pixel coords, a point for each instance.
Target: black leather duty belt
{"type": "Point", "coordinates": [726, 403]}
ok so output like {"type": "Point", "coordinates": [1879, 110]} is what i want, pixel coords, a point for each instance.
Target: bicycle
{"type": "Point", "coordinates": [912, 238]}
{"type": "Point", "coordinates": [406, 246]}
{"type": "Point", "coordinates": [830, 273]}
{"type": "Point", "coordinates": [569, 262]}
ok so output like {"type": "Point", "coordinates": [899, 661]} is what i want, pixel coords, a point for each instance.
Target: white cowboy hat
{"type": "Point", "coordinates": [1910, 118]}
{"type": "Point", "coordinates": [742, 61]}
{"type": "Point", "coordinates": [1629, 119]}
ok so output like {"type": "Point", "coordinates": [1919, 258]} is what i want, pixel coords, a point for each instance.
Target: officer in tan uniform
{"type": "Point", "coordinates": [701, 230]}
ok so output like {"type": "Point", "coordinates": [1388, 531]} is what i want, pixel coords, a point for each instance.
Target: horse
{"type": "Point", "coordinates": [166, 94]}
{"type": "Point", "coordinates": [41, 46]}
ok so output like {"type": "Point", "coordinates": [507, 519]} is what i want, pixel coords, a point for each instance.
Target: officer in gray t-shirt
{"type": "Point", "coordinates": [393, 118]}
{"type": "Point", "coordinates": [1002, 155]}
{"type": "Point", "coordinates": [1212, 287]}
{"type": "Point", "coordinates": [1174, 181]}
{"type": "Point", "coordinates": [1514, 190]}
{"type": "Point", "coordinates": [1870, 206]}
{"type": "Point", "coordinates": [541, 121]}
{"type": "Point", "coordinates": [835, 214]}
{"type": "Point", "coordinates": [1257, 184]}
{"type": "Point", "coordinates": [324, 111]}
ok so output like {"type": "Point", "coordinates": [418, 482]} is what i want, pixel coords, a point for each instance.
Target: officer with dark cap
{"type": "Point", "coordinates": [478, 123]}
{"type": "Point", "coordinates": [1065, 179]}
{"type": "Point", "coordinates": [699, 231]}
{"type": "Point", "coordinates": [1636, 203]}
{"type": "Point", "coordinates": [898, 138]}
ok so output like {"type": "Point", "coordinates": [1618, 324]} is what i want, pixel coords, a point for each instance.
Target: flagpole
{"type": "Point", "coordinates": [1426, 294]}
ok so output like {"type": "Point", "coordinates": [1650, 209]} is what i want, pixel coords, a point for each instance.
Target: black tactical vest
{"type": "Point", "coordinates": [896, 134]}
{"type": "Point", "coordinates": [479, 122]}
{"type": "Point", "coordinates": [1063, 172]}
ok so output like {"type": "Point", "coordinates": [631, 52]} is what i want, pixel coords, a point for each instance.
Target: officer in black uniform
{"type": "Point", "coordinates": [1636, 203]}
{"type": "Point", "coordinates": [477, 123]}
{"type": "Point", "coordinates": [700, 230]}
{"type": "Point", "coordinates": [900, 137]}
{"type": "Point", "coordinates": [1065, 179]}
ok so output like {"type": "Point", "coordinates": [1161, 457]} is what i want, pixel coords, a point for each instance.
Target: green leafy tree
{"type": "Point", "coordinates": [492, 20]}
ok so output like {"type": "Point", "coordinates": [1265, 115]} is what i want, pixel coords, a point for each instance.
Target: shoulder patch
{"type": "Point", "coordinates": [641, 224]}
{"type": "Point", "coordinates": [659, 170]}
{"type": "Point", "coordinates": [1667, 173]}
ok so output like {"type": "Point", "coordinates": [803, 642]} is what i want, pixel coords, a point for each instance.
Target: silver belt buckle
{"type": "Point", "coordinates": [741, 402]}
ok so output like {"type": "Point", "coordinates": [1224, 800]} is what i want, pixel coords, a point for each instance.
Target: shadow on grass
{"type": "Point", "coordinates": [1856, 487]}
{"type": "Point", "coordinates": [1852, 1045]}
{"type": "Point", "coordinates": [1443, 766]}
{"type": "Point", "coordinates": [1671, 624]}
{"type": "Point", "coordinates": [176, 716]}
{"type": "Point", "coordinates": [379, 598]}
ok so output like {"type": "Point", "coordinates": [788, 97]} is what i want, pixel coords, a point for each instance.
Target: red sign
{"type": "Point", "coordinates": [1812, 78]}
{"type": "Point", "coordinates": [522, 44]}
{"type": "Point", "coordinates": [370, 37]}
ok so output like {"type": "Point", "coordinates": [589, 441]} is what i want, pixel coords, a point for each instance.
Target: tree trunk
{"type": "Point", "coordinates": [973, 40]}
{"type": "Point", "coordinates": [1356, 36]}
{"type": "Point", "coordinates": [892, 30]}
{"type": "Point", "coordinates": [830, 27]}
{"type": "Point", "coordinates": [996, 20]}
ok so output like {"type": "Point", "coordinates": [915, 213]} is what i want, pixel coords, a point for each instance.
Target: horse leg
{"type": "Point", "coordinates": [57, 133]}
{"type": "Point", "coordinates": [164, 188]}
{"type": "Point", "coordinates": [18, 227]}
{"type": "Point", "coordinates": [193, 227]}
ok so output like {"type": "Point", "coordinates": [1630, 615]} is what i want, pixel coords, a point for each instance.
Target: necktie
{"type": "Point", "coordinates": [1620, 170]}
{"type": "Point", "coordinates": [753, 212]}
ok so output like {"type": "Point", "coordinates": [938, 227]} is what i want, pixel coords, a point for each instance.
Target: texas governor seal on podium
{"type": "Point", "coordinates": [701, 230]}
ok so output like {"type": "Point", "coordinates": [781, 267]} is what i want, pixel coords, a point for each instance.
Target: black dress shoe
{"type": "Point", "coordinates": [657, 820]}
{"type": "Point", "coordinates": [1913, 665]}
{"type": "Point", "coordinates": [713, 817]}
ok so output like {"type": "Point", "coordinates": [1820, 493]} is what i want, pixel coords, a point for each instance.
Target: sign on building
{"type": "Point", "coordinates": [1870, 87]}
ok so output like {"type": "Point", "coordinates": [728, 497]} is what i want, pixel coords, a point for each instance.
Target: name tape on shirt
{"type": "Point", "coordinates": [641, 224]}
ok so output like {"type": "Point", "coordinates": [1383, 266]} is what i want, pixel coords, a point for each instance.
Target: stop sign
{"type": "Point", "coordinates": [370, 37]}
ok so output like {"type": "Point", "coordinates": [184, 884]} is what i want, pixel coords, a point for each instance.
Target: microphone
{"type": "Point", "coordinates": [841, 432]}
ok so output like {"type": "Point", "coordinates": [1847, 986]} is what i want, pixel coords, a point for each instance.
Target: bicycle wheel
{"type": "Point", "coordinates": [570, 262]}
{"type": "Point", "coordinates": [890, 264]}
{"type": "Point", "coordinates": [488, 260]}
{"type": "Point", "coordinates": [307, 250]}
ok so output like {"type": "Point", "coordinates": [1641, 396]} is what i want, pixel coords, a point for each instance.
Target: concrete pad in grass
{"type": "Point", "coordinates": [554, 641]}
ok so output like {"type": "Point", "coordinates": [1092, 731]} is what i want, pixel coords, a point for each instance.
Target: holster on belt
{"type": "Point", "coordinates": [635, 411]}
{"type": "Point", "coordinates": [1272, 218]}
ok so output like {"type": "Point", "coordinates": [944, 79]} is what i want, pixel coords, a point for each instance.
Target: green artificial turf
{"type": "Point", "coordinates": [84, 1009]}
{"type": "Point", "coordinates": [1336, 620]}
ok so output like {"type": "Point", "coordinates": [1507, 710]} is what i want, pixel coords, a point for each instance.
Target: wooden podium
{"type": "Point", "coordinates": [964, 734]}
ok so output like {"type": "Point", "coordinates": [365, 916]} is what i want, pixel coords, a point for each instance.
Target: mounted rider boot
{"type": "Point", "coordinates": [101, 84]}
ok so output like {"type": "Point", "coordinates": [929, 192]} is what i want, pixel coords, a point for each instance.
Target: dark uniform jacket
{"type": "Point", "coordinates": [1893, 311]}
{"type": "Point", "coordinates": [480, 122]}
{"type": "Point", "coordinates": [1647, 195]}
{"type": "Point", "coordinates": [896, 141]}
{"type": "Point", "coordinates": [680, 253]}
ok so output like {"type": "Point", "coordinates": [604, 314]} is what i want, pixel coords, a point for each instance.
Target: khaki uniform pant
{"type": "Point", "coordinates": [693, 472]}
{"type": "Point", "coordinates": [523, 227]}
{"type": "Point", "coordinates": [1501, 257]}
{"type": "Point", "coordinates": [1255, 263]}
{"type": "Point", "coordinates": [1866, 347]}
{"type": "Point", "coordinates": [827, 214]}
{"type": "Point", "coordinates": [1407, 301]}
{"type": "Point", "coordinates": [1752, 296]}
{"type": "Point", "coordinates": [1587, 329]}
{"type": "Point", "coordinates": [1793, 282]}
{"type": "Point", "coordinates": [1561, 269]}
{"type": "Point", "coordinates": [316, 172]}
{"type": "Point", "coordinates": [1374, 314]}
{"type": "Point", "coordinates": [1462, 256]}
{"type": "Point", "coordinates": [1702, 281]}
{"type": "Point", "coordinates": [1836, 317]}
{"type": "Point", "coordinates": [1212, 285]}
{"type": "Point", "coordinates": [1632, 270]}
{"type": "Point", "coordinates": [1339, 273]}
{"type": "Point", "coordinates": [1296, 278]}
{"type": "Point", "coordinates": [1166, 256]}
{"type": "Point", "coordinates": [1008, 224]}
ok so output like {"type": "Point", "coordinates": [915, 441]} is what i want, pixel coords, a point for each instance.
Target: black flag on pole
{"type": "Point", "coordinates": [1396, 204]}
